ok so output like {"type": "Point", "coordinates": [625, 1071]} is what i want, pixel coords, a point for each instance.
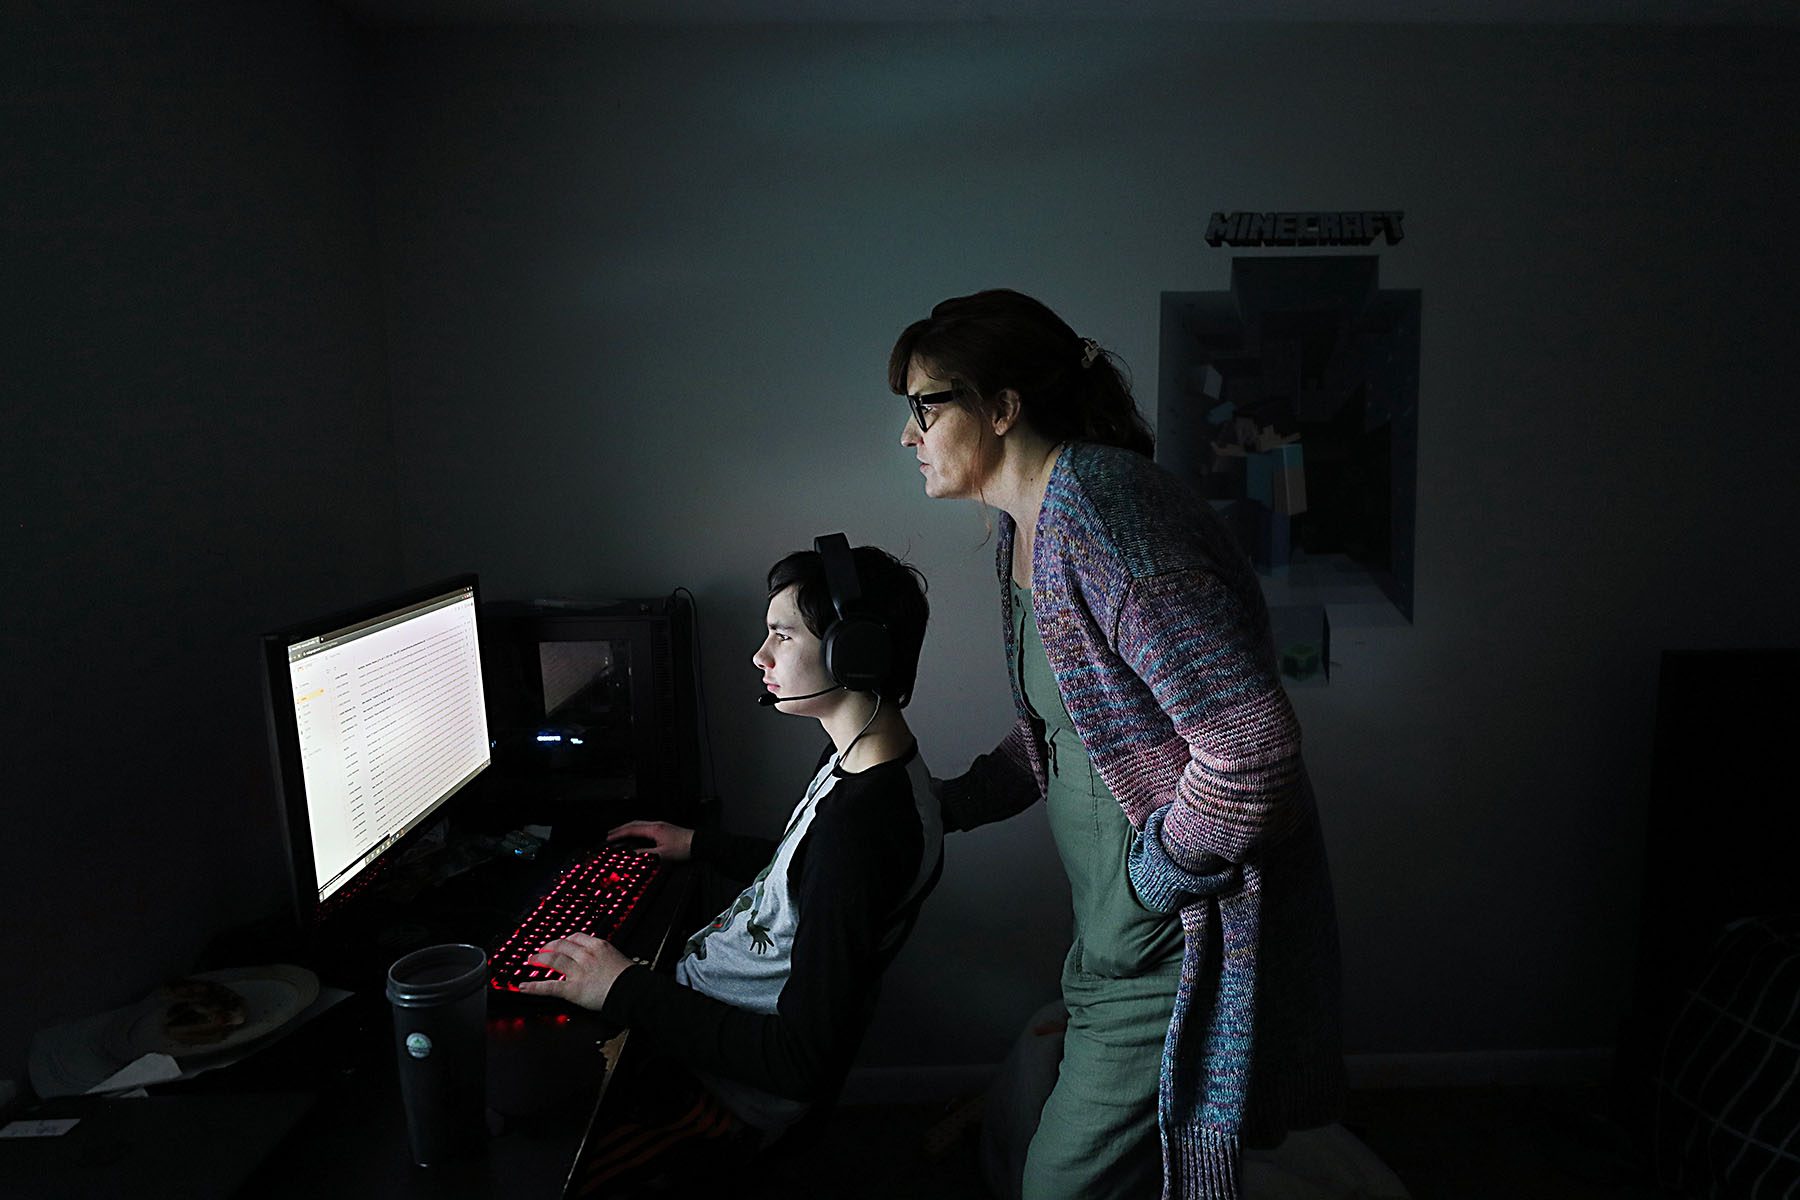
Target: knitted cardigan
{"type": "Point", "coordinates": [1158, 635]}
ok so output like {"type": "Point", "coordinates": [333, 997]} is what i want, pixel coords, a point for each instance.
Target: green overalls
{"type": "Point", "coordinates": [1097, 1137]}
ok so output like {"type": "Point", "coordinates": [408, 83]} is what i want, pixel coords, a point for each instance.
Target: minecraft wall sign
{"type": "Point", "coordinates": [1303, 228]}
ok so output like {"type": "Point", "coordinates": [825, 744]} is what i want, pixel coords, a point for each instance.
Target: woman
{"type": "Point", "coordinates": [1202, 981]}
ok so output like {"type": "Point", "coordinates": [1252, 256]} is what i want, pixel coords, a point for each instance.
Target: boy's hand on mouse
{"type": "Point", "coordinates": [589, 965]}
{"type": "Point", "coordinates": [666, 841]}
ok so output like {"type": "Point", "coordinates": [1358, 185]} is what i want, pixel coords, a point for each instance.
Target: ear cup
{"type": "Point", "coordinates": [859, 652]}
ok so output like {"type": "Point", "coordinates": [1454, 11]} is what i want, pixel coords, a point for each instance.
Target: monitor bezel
{"type": "Point", "coordinates": [295, 821]}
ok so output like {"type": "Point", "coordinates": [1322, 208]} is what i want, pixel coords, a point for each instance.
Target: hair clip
{"type": "Point", "coordinates": [1090, 350]}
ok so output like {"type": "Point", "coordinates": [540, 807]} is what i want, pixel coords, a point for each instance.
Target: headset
{"type": "Point", "coordinates": [859, 651]}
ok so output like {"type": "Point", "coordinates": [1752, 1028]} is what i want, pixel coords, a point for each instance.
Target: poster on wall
{"type": "Point", "coordinates": [1291, 401]}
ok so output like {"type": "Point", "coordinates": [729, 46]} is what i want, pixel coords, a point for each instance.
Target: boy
{"type": "Point", "coordinates": [770, 1000]}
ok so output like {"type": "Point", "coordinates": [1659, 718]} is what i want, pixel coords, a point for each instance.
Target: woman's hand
{"type": "Point", "coordinates": [590, 966]}
{"type": "Point", "coordinates": [667, 841]}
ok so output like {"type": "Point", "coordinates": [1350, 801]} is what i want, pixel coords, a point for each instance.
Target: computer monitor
{"type": "Point", "coordinates": [377, 717]}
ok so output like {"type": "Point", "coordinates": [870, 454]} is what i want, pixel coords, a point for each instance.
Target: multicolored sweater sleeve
{"type": "Point", "coordinates": [1191, 641]}
{"type": "Point", "coordinates": [997, 785]}
{"type": "Point", "coordinates": [1156, 629]}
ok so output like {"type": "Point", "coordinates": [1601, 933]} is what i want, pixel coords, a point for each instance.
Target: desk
{"type": "Point", "coordinates": [319, 1112]}
{"type": "Point", "coordinates": [549, 1069]}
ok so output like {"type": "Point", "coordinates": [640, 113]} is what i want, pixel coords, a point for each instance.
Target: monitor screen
{"type": "Point", "coordinates": [389, 720]}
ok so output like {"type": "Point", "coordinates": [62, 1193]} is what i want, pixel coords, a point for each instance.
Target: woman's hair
{"type": "Point", "coordinates": [893, 594]}
{"type": "Point", "coordinates": [1069, 388]}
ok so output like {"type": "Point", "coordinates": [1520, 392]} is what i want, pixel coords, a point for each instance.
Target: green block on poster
{"type": "Point", "coordinates": [1259, 479]}
{"type": "Point", "coordinates": [1302, 634]}
{"type": "Point", "coordinates": [1300, 661]}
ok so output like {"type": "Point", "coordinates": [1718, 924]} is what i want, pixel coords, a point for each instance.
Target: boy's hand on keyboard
{"type": "Point", "coordinates": [589, 966]}
{"type": "Point", "coordinates": [671, 842]}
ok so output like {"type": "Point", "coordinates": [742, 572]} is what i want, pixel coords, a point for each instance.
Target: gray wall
{"type": "Point", "coordinates": [642, 288]}
{"type": "Point", "coordinates": [626, 298]}
{"type": "Point", "coordinates": [195, 448]}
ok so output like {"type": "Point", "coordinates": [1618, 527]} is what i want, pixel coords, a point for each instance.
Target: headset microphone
{"type": "Point", "coordinates": [770, 699]}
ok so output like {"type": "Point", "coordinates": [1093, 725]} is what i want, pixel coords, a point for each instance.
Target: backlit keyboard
{"type": "Point", "coordinates": [598, 896]}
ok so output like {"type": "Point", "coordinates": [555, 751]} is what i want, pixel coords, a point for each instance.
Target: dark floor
{"type": "Point", "coordinates": [1445, 1144]}
{"type": "Point", "coordinates": [1488, 1143]}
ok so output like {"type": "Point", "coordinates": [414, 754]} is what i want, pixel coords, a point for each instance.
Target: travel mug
{"type": "Point", "coordinates": [439, 997]}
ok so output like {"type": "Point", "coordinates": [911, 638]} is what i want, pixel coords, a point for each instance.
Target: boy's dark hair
{"type": "Point", "coordinates": [893, 593]}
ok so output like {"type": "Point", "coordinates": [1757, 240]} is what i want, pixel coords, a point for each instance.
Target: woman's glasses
{"type": "Point", "coordinates": [924, 405]}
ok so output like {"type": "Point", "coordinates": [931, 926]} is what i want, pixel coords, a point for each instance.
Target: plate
{"type": "Point", "coordinates": [273, 996]}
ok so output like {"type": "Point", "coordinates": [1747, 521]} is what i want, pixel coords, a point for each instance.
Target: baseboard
{"type": "Point", "coordinates": [916, 1085]}
{"type": "Point", "coordinates": [1479, 1068]}
{"type": "Point", "coordinates": [1482, 1068]}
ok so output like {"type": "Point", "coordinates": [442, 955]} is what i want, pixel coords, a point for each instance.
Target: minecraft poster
{"type": "Point", "coordinates": [1291, 402]}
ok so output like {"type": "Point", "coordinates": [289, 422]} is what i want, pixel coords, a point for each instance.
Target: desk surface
{"type": "Point", "coordinates": [549, 1064]}
{"type": "Point", "coordinates": [544, 1083]}
{"type": "Point", "coordinates": [319, 1112]}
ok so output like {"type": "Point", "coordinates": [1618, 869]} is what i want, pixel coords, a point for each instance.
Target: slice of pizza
{"type": "Point", "coordinates": [200, 1012]}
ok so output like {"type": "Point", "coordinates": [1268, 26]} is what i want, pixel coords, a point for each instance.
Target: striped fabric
{"type": "Point", "coordinates": [677, 1135]}
{"type": "Point", "coordinates": [1727, 1117]}
{"type": "Point", "coordinates": [1156, 629]}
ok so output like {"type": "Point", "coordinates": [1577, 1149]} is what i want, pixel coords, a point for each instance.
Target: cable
{"type": "Point", "coordinates": [863, 730]}
{"type": "Point", "coordinates": [711, 783]}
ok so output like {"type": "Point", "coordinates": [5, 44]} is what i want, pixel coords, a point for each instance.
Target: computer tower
{"type": "Point", "coordinates": [598, 697]}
